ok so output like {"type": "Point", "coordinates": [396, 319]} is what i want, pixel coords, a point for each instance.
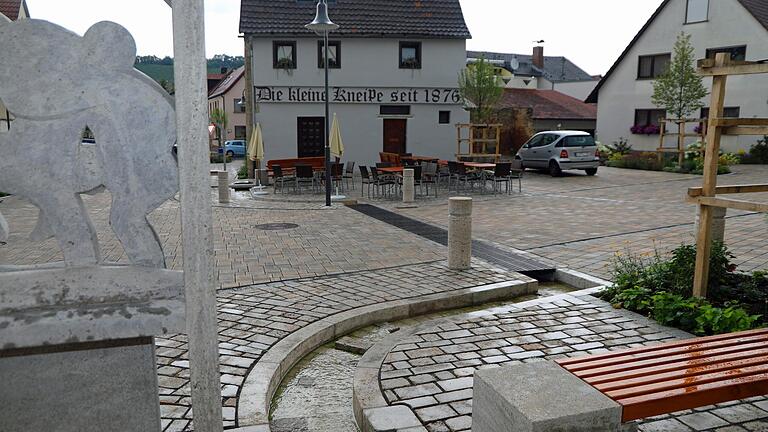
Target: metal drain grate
{"type": "Point", "coordinates": [276, 226]}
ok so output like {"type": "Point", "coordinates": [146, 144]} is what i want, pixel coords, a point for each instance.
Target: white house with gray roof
{"type": "Point", "coordinates": [537, 71]}
{"type": "Point", "coordinates": [739, 27]}
{"type": "Point", "coordinates": [393, 75]}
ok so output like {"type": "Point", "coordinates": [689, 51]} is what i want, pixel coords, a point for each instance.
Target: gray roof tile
{"type": "Point", "coordinates": [357, 18]}
{"type": "Point", "coordinates": [556, 69]}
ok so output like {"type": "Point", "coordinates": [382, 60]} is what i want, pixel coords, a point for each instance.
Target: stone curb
{"type": "Point", "coordinates": [368, 397]}
{"type": "Point", "coordinates": [262, 381]}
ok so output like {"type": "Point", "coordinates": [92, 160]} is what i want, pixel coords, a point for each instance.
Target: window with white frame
{"type": "Point", "coordinates": [697, 11]}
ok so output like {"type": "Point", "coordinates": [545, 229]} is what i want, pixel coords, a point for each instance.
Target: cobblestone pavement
{"type": "Point", "coordinates": [582, 221]}
{"type": "Point", "coordinates": [252, 319]}
{"type": "Point", "coordinates": [326, 241]}
{"type": "Point", "coordinates": [432, 371]}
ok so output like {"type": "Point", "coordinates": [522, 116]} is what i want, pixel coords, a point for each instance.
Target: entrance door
{"type": "Point", "coordinates": [394, 135]}
{"type": "Point", "coordinates": [310, 132]}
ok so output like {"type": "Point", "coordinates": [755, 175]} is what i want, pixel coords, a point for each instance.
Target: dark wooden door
{"type": "Point", "coordinates": [394, 135]}
{"type": "Point", "coordinates": [310, 132]}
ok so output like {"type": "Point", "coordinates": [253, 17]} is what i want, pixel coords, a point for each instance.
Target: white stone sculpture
{"type": "Point", "coordinates": [55, 83]}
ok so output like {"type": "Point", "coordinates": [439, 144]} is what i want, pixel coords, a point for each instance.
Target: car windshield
{"type": "Point", "coordinates": [579, 141]}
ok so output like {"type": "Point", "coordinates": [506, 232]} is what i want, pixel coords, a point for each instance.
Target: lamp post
{"type": "Point", "coordinates": [321, 26]}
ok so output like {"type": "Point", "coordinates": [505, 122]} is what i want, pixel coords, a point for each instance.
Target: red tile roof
{"type": "Point", "coordinates": [10, 8]}
{"type": "Point", "coordinates": [548, 104]}
{"type": "Point", "coordinates": [227, 83]}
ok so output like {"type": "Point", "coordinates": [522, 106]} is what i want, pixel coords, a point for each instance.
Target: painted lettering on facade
{"type": "Point", "coordinates": [359, 95]}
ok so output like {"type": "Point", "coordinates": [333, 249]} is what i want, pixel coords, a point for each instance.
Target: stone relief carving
{"type": "Point", "coordinates": [55, 83]}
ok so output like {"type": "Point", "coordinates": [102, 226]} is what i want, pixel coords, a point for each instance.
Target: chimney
{"type": "Point", "coordinates": [538, 57]}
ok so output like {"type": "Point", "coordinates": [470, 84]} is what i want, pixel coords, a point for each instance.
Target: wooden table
{"type": "Point", "coordinates": [391, 170]}
{"type": "Point", "coordinates": [479, 165]}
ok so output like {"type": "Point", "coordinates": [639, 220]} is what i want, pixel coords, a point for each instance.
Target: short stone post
{"type": "Point", "coordinates": [460, 233]}
{"type": "Point", "coordinates": [408, 188]}
{"type": "Point", "coordinates": [223, 187]}
{"type": "Point", "coordinates": [718, 222]}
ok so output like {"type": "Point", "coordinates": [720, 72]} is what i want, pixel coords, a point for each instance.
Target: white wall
{"type": "Point", "coordinates": [576, 89]}
{"type": "Point", "coordinates": [729, 25]}
{"type": "Point", "coordinates": [365, 62]}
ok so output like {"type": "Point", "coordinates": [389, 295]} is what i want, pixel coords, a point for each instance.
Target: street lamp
{"type": "Point", "coordinates": [321, 26]}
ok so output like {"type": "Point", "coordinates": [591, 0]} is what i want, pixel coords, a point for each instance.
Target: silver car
{"type": "Point", "coordinates": [557, 151]}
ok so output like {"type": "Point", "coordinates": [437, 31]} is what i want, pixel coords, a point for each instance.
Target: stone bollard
{"type": "Point", "coordinates": [718, 223]}
{"type": "Point", "coordinates": [223, 187]}
{"type": "Point", "coordinates": [409, 191]}
{"type": "Point", "coordinates": [459, 233]}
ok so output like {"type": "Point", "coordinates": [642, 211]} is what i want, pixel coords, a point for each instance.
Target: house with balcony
{"type": "Point", "coordinates": [10, 10]}
{"type": "Point", "coordinates": [394, 69]}
{"type": "Point", "coordinates": [738, 27]}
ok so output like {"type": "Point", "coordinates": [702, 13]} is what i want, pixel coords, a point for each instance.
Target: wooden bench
{"type": "Point", "coordinates": [678, 375]}
{"type": "Point", "coordinates": [290, 164]}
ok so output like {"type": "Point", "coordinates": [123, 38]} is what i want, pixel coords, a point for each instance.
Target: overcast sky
{"type": "Point", "coordinates": [591, 33]}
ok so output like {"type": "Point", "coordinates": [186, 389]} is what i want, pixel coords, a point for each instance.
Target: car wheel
{"type": "Point", "coordinates": [591, 171]}
{"type": "Point", "coordinates": [554, 169]}
{"type": "Point", "coordinates": [230, 153]}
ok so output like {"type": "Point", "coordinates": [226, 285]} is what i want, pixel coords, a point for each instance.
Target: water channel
{"type": "Point", "coordinates": [316, 395]}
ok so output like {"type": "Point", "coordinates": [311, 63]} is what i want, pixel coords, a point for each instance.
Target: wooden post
{"type": "Point", "coordinates": [681, 142]}
{"type": "Point", "coordinates": [704, 235]}
{"type": "Point", "coordinates": [662, 132]}
{"type": "Point", "coordinates": [190, 70]}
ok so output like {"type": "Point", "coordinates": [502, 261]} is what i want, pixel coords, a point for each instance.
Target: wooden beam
{"type": "Point", "coordinates": [745, 130]}
{"type": "Point", "coordinates": [190, 70]}
{"type": "Point", "coordinates": [726, 122]}
{"type": "Point", "coordinates": [742, 69]}
{"type": "Point", "coordinates": [711, 159]}
{"type": "Point", "coordinates": [735, 189]}
{"type": "Point", "coordinates": [733, 203]}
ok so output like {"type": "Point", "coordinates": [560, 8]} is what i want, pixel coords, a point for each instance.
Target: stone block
{"type": "Point", "coordinates": [540, 397]}
{"type": "Point", "coordinates": [85, 388]}
{"type": "Point", "coordinates": [391, 418]}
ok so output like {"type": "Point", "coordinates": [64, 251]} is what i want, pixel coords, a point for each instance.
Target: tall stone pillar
{"type": "Point", "coordinates": [460, 233]}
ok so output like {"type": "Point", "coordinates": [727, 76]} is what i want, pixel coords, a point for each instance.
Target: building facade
{"type": "Point", "coordinates": [227, 96]}
{"type": "Point", "coordinates": [10, 10]}
{"type": "Point", "coordinates": [537, 71]}
{"type": "Point", "coordinates": [393, 76]}
{"type": "Point", "coordinates": [739, 27]}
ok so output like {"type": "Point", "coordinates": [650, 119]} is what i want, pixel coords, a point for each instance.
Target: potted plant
{"type": "Point", "coordinates": [285, 63]}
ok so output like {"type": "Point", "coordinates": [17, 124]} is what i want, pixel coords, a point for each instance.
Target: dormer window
{"type": "Point", "coordinates": [697, 11]}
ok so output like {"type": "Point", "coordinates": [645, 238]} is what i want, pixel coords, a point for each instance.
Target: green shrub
{"type": "Point", "coordinates": [648, 161]}
{"type": "Point", "coordinates": [218, 158]}
{"type": "Point", "coordinates": [242, 173]}
{"type": "Point", "coordinates": [758, 154]}
{"type": "Point", "coordinates": [662, 289]}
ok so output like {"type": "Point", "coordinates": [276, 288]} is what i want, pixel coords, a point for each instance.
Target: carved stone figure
{"type": "Point", "coordinates": [56, 83]}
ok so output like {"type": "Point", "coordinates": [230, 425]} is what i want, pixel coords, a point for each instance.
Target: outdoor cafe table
{"type": "Point", "coordinates": [480, 165]}
{"type": "Point", "coordinates": [391, 170]}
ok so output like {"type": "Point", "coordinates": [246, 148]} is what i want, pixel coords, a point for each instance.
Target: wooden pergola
{"type": "Point", "coordinates": [707, 197]}
{"type": "Point", "coordinates": [681, 135]}
{"type": "Point", "coordinates": [481, 140]}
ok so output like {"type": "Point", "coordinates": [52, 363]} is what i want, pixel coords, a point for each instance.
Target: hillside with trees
{"type": "Point", "coordinates": [161, 69]}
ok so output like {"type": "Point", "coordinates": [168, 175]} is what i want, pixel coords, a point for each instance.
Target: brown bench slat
{"type": "Point", "coordinates": [692, 397]}
{"type": "Point", "coordinates": [613, 381]}
{"type": "Point", "coordinates": [676, 356]}
{"type": "Point", "coordinates": [685, 342]}
{"type": "Point", "coordinates": [689, 383]}
{"type": "Point", "coordinates": [662, 350]}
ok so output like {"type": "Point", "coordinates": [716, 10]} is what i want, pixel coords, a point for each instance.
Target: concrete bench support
{"type": "Point", "coordinates": [540, 397]}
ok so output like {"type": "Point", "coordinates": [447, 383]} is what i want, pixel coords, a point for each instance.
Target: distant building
{"type": "Point", "coordinates": [739, 27]}
{"type": "Point", "coordinates": [214, 79]}
{"type": "Point", "coordinates": [10, 10]}
{"type": "Point", "coordinates": [394, 69]}
{"type": "Point", "coordinates": [538, 71]}
{"type": "Point", "coordinates": [227, 96]}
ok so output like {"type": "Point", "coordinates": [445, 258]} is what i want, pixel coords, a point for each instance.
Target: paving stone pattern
{"type": "Point", "coordinates": [432, 371]}
{"type": "Point", "coordinates": [332, 241]}
{"type": "Point", "coordinates": [253, 319]}
{"type": "Point", "coordinates": [581, 222]}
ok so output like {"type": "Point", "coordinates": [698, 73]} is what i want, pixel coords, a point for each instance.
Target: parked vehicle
{"type": "Point", "coordinates": [233, 148]}
{"type": "Point", "coordinates": [557, 151]}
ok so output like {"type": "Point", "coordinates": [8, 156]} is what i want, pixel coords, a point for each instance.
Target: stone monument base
{"type": "Point", "coordinates": [98, 386]}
